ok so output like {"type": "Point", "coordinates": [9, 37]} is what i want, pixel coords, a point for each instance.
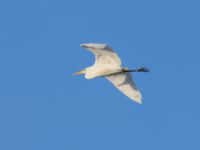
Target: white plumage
{"type": "Point", "coordinates": [108, 65]}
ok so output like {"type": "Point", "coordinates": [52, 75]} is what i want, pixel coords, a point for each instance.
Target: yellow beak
{"type": "Point", "coordinates": [80, 72]}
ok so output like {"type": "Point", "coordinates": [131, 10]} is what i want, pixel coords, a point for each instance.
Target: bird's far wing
{"type": "Point", "coordinates": [104, 55]}
{"type": "Point", "coordinates": [124, 82]}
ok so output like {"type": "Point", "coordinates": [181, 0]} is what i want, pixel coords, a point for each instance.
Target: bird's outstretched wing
{"type": "Point", "coordinates": [104, 54]}
{"type": "Point", "coordinates": [124, 82]}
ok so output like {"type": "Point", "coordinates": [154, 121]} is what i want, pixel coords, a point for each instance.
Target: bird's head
{"type": "Point", "coordinates": [89, 74]}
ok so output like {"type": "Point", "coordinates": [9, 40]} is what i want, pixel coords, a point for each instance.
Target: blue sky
{"type": "Point", "coordinates": [42, 106]}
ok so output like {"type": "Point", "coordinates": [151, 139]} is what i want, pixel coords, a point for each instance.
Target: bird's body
{"type": "Point", "coordinates": [93, 72]}
{"type": "Point", "coordinates": [108, 65]}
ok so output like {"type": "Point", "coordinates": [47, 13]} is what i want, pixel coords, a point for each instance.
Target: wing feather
{"type": "Point", "coordinates": [104, 54]}
{"type": "Point", "coordinates": [124, 82]}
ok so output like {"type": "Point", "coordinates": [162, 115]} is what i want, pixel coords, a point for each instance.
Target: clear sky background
{"type": "Point", "coordinates": [42, 106]}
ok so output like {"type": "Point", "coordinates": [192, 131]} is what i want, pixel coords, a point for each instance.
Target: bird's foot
{"type": "Point", "coordinates": [143, 69]}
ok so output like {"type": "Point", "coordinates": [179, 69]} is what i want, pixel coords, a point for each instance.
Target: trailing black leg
{"type": "Point", "coordinates": [143, 69]}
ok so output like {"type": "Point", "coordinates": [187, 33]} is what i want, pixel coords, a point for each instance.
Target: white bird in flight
{"type": "Point", "coordinates": [108, 65]}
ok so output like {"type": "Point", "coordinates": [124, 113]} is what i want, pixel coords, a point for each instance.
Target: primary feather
{"type": "Point", "coordinates": [124, 82]}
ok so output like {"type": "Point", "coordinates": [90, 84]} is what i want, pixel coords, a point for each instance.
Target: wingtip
{"type": "Point", "coordinates": [140, 102]}
{"type": "Point", "coordinates": [93, 45]}
{"type": "Point", "coordinates": [138, 98]}
{"type": "Point", "coordinates": [83, 45]}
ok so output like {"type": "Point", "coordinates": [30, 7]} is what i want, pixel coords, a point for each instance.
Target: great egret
{"type": "Point", "coordinates": [108, 65]}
